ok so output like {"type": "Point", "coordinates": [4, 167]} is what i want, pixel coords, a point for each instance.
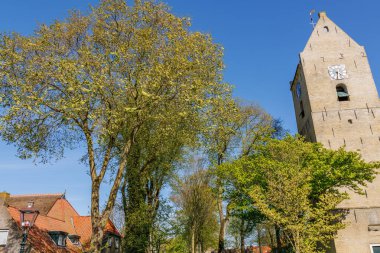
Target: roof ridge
{"type": "Point", "coordinates": [53, 218]}
{"type": "Point", "coordinates": [36, 195]}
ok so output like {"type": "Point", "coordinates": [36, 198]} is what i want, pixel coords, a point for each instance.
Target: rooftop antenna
{"type": "Point", "coordinates": [311, 18]}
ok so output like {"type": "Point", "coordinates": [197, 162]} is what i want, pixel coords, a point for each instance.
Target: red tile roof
{"type": "Point", "coordinates": [42, 202]}
{"type": "Point", "coordinates": [84, 228]}
{"type": "Point", "coordinates": [57, 215]}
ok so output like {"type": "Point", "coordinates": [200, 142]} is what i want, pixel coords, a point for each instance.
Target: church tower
{"type": "Point", "coordinates": [336, 103]}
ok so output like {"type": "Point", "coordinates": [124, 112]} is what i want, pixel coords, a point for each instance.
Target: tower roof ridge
{"type": "Point", "coordinates": [327, 32]}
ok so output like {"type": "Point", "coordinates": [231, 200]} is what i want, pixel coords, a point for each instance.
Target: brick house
{"type": "Point", "coordinates": [57, 228]}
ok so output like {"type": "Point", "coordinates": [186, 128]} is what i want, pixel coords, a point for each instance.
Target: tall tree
{"type": "Point", "coordinates": [295, 185]}
{"type": "Point", "coordinates": [197, 210]}
{"type": "Point", "coordinates": [234, 130]}
{"type": "Point", "coordinates": [96, 80]}
{"type": "Point", "coordinates": [152, 162]}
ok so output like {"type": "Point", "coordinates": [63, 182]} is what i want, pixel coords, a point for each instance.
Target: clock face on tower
{"type": "Point", "coordinates": [337, 72]}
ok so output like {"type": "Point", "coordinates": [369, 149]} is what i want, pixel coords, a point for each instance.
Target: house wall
{"type": "Point", "coordinates": [6, 222]}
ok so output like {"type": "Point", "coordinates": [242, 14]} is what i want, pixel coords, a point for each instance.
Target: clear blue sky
{"type": "Point", "coordinates": [261, 39]}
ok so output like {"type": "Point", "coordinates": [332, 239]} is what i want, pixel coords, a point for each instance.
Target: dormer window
{"type": "Point", "coordinates": [117, 242]}
{"type": "Point", "coordinates": [112, 241]}
{"type": "Point", "coordinates": [59, 237]}
{"type": "Point", "coordinates": [341, 92]}
{"type": "Point", "coordinates": [74, 239]}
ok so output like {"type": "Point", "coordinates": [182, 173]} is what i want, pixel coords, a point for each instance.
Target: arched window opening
{"type": "Point", "coordinates": [326, 29]}
{"type": "Point", "coordinates": [341, 92]}
{"type": "Point", "coordinates": [302, 113]}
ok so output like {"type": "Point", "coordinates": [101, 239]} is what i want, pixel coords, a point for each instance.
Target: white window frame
{"type": "Point", "coordinates": [110, 241]}
{"type": "Point", "coordinates": [117, 242]}
{"type": "Point", "coordinates": [373, 245]}
{"type": "Point", "coordinates": [61, 241]}
{"type": "Point", "coordinates": [6, 231]}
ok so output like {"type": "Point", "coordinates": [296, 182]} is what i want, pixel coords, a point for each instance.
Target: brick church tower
{"type": "Point", "coordinates": [336, 103]}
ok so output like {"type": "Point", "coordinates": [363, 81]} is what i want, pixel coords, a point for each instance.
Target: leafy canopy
{"type": "Point", "coordinates": [297, 186]}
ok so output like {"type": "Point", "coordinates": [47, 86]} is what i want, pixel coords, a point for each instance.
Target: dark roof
{"type": "Point", "coordinates": [41, 202]}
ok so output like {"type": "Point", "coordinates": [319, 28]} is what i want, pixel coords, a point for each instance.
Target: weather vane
{"type": "Point", "coordinates": [311, 18]}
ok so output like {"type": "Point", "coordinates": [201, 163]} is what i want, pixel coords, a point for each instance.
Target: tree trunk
{"type": "Point", "coordinates": [99, 221]}
{"type": "Point", "coordinates": [192, 240]}
{"type": "Point", "coordinates": [242, 236]}
{"type": "Point", "coordinates": [297, 243]}
{"type": "Point", "coordinates": [221, 232]}
{"type": "Point", "coordinates": [137, 220]}
{"type": "Point", "coordinates": [97, 231]}
{"type": "Point", "coordinates": [259, 238]}
{"type": "Point", "coordinates": [269, 231]}
{"type": "Point", "coordinates": [278, 239]}
{"type": "Point", "coordinates": [223, 219]}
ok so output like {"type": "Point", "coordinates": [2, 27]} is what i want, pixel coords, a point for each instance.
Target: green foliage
{"type": "Point", "coordinates": [152, 162]}
{"type": "Point", "coordinates": [162, 228]}
{"type": "Point", "coordinates": [233, 130]}
{"type": "Point", "coordinates": [298, 185]}
{"type": "Point", "coordinates": [197, 210]}
{"type": "Point", "coordinates": [177, 244]}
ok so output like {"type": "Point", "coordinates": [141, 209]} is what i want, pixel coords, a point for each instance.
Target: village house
{"type": "Point", "coordinates": [57, 226]}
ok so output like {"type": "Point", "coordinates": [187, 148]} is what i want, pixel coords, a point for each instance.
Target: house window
{"type": "Point", "coordinates": [110, 241]}
{"type": "Point", "coordinates": [341, 92]}
{"type": "Point", "coordinates": [3, 237]}
{"type": "Point", "coordinates": [59, 238]}
{"type": "Point", "coordinates": [74, 239]}
{"type": "Point", "coordinates": [117, 242]}
{"type": "Point", "coordinates": [326, 29]}
{"type": "Point", "coordinates": [375, 248]}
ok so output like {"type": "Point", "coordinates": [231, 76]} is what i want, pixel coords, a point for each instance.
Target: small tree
{"type": "Point", "coordinates": [240, 228]}
{"type": "Point", "coordinates": [295, 185]}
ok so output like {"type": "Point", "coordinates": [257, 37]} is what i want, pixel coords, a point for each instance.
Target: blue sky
{"type": "Point", "coordinates": [261, 39]}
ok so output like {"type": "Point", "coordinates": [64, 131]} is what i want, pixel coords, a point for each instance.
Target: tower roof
{"type": "Point", "coordinates": [326, 32]}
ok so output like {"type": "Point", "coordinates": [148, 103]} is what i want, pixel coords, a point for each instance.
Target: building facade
{"type": "Point", "coordinates": [336, 103]}
{"type": "Point", "coordinates": [58, 228]}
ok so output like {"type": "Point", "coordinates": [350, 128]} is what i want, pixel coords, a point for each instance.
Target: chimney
{"type": "Point", "coordinates": [4, 196]}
